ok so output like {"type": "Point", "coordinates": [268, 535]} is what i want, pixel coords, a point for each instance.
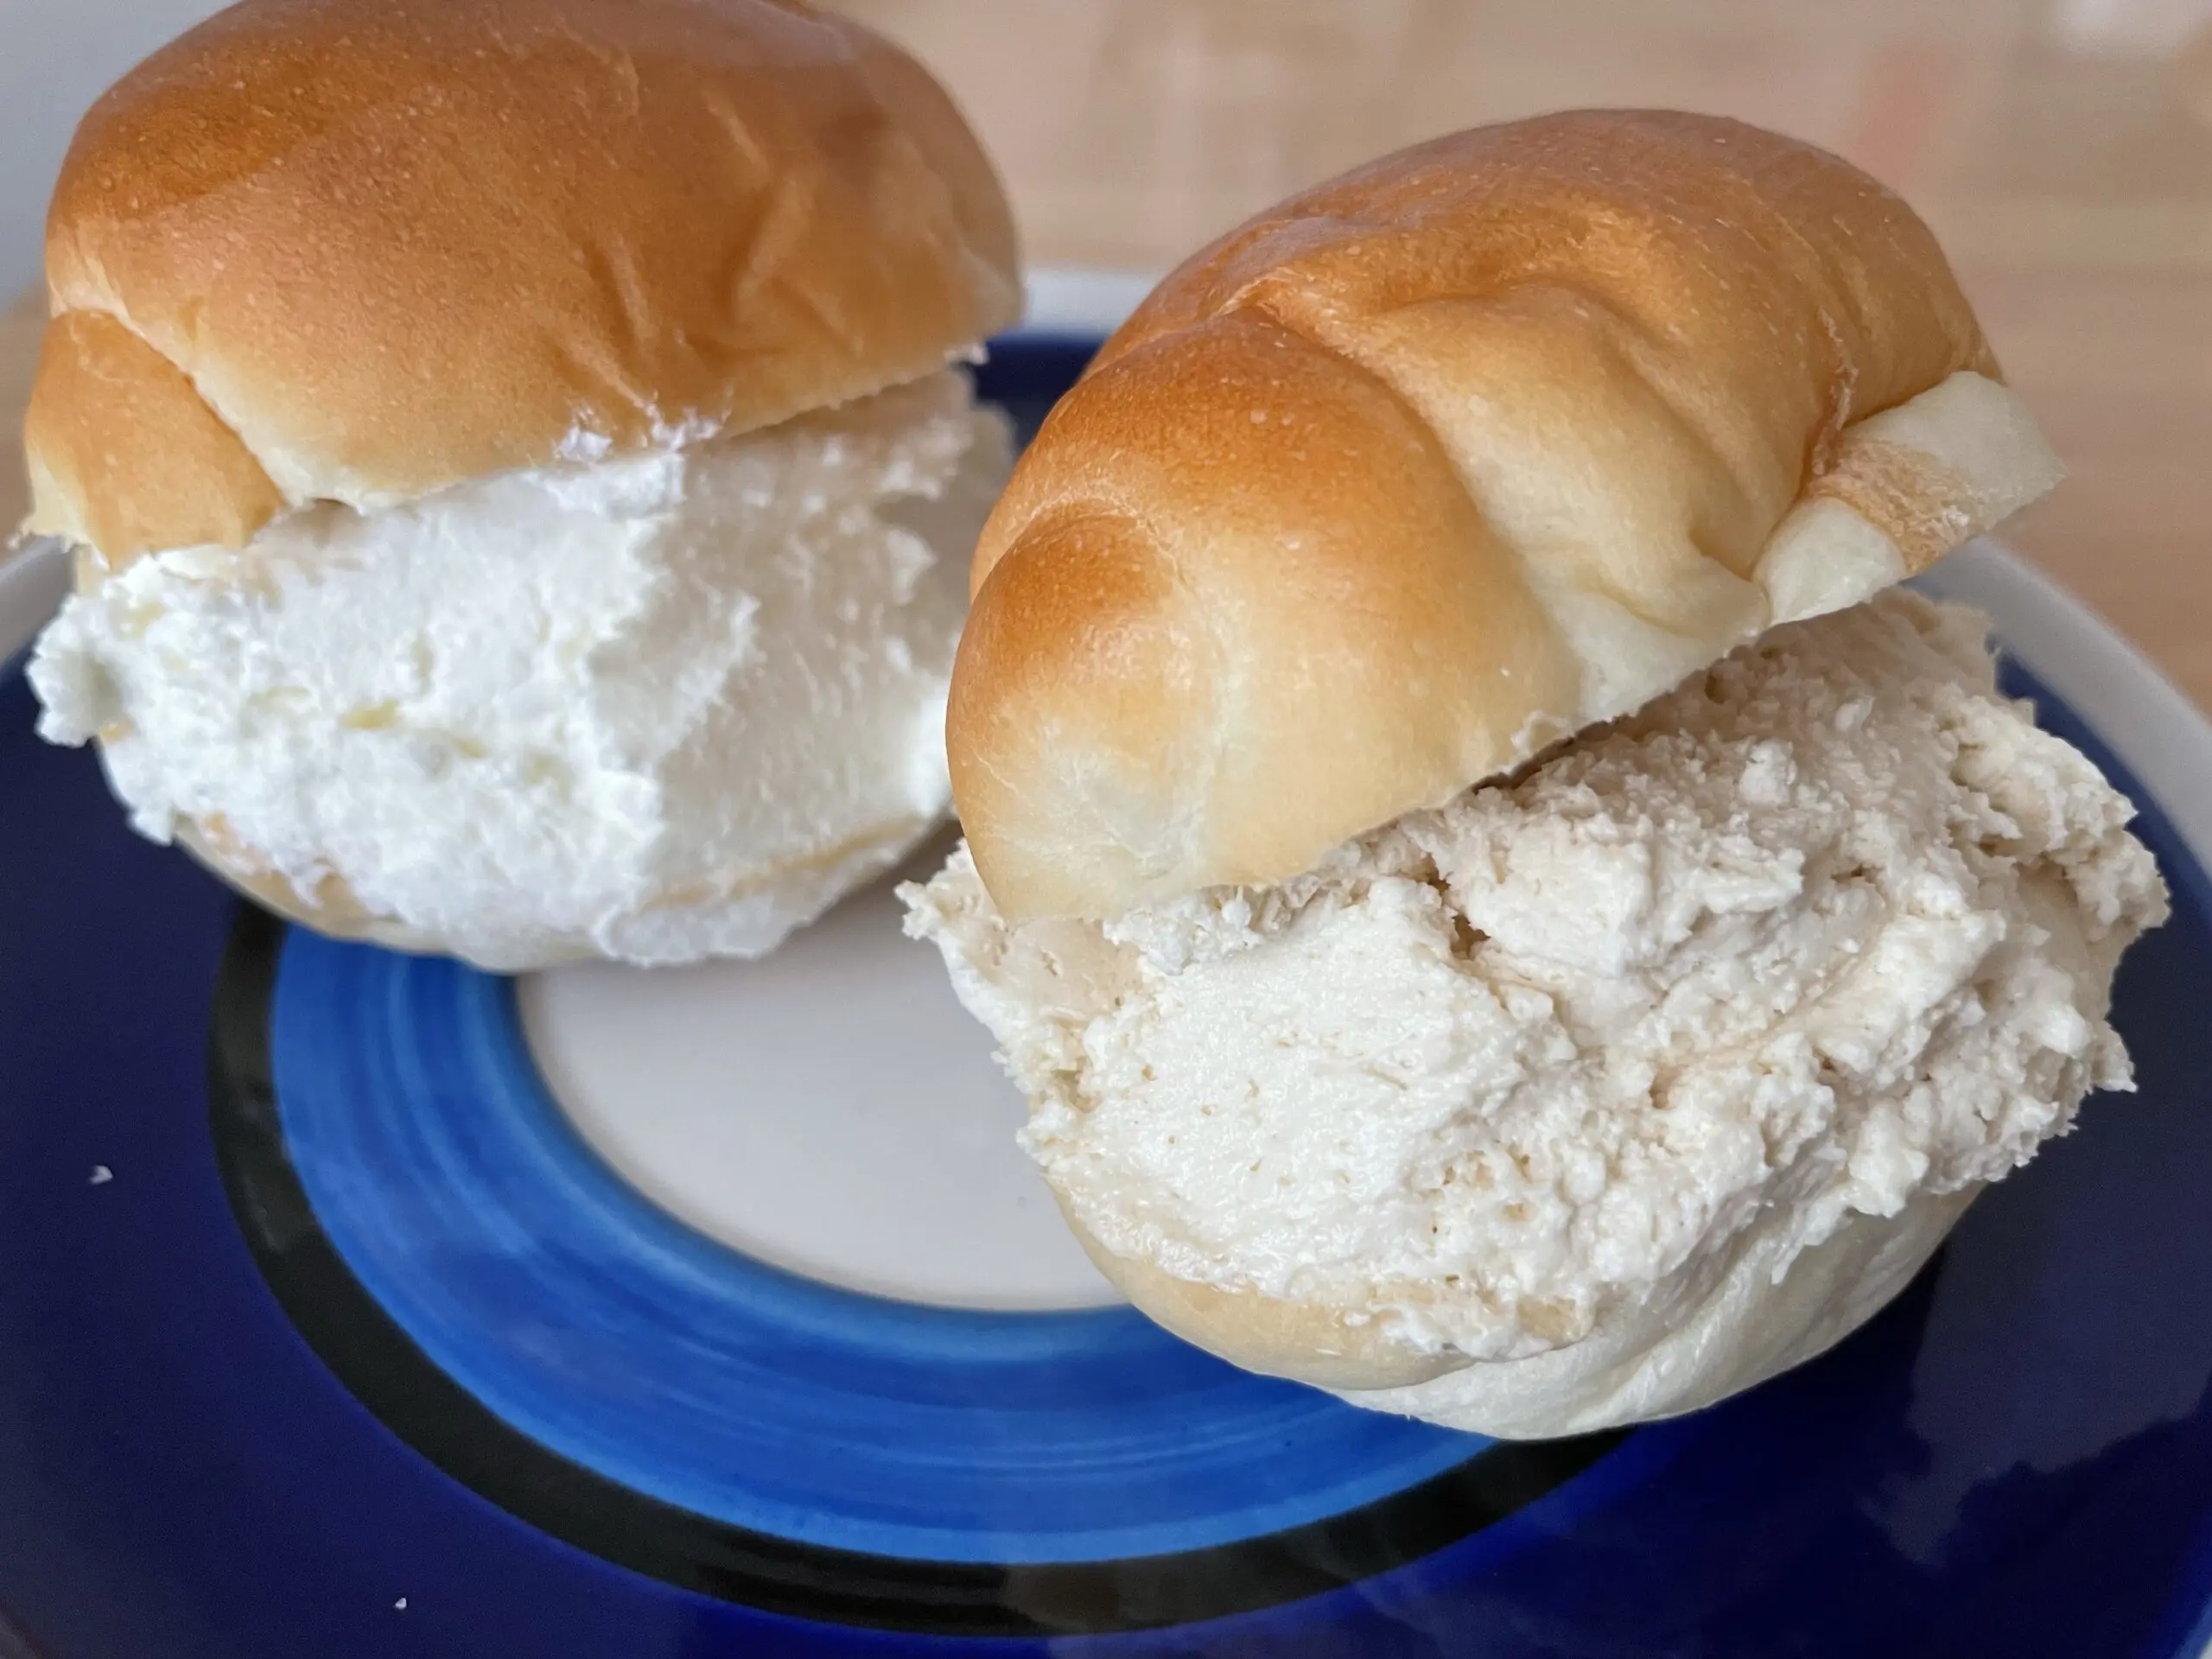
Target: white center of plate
{"type": "Point", "coordinates": [831, 1110]}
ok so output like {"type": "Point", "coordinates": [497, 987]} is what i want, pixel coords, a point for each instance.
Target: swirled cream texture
{"type": "Point", "coordinates": [1824, 933]}
{"type": "Point", "coordinates": [654, 707]}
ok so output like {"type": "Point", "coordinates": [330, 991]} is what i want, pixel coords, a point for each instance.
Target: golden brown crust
{"type": "Point", "coordinates": [1116, 638]}
{"type": "Point", "coordinates": [1483, 442]}
{"type": "Point", "coordinates": [125, 456]}
{"type": "Point", "coordinates": [394, 244]}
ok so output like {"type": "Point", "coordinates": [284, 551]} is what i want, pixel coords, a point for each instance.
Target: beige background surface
{"type": "Point", "coordinates": [2062, 147]}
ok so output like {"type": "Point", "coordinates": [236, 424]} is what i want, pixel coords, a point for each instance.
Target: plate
{"type": "Point", "coordinates": [355, 1303]}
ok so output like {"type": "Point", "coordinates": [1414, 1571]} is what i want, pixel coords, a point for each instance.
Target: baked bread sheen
{"type": "Point", "coordinates": [1409, 477]}
{"type": "Point", "coordinates": [360, 250]}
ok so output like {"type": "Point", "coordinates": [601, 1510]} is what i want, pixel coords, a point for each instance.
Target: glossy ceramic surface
{"type": "Point", "coordinates": [324, 1333]}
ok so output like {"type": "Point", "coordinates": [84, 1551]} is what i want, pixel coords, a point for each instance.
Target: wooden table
{"type": "Point", "coordinates": [2062, 147]}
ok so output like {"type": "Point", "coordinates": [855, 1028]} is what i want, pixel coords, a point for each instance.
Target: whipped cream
{"type": "Point", "coordinates": [1826, 934]}
{"type": "Point", "coordinates": [656, 707]}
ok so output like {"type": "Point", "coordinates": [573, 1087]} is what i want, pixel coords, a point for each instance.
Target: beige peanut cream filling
{"type": "Point", "coordinates": [1827, 930]}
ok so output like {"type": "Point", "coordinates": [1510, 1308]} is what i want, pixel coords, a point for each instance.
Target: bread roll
{"type": "Point", "coordinates": [356, 250]}
{"type": "Point", "coordinates": [1538, 1103]}
{"type": "Point", "coordinates": [518, 491]}
{"type": "Point", "coordinates": [1480, 444]}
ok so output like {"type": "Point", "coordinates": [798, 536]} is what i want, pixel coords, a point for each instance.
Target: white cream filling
{"type": "Point", "coordinates": [656, 707]}
{"type": "Point", "coordinates": [1826, 931]}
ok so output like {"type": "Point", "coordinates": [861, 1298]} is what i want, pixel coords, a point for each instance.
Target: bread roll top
{"type": "Point", "coordinates": [1409, 477]}
{"type": "Point", "coordinates": [360, 250]}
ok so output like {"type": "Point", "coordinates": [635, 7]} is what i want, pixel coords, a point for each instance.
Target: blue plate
{"type": "Point", "coordinates": [323, 1334]}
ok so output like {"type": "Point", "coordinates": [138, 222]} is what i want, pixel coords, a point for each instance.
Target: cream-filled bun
{"type": "Point", "coordinates": [1498, 909]}
{"type": "Point", "coordinates": [516, 464]}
